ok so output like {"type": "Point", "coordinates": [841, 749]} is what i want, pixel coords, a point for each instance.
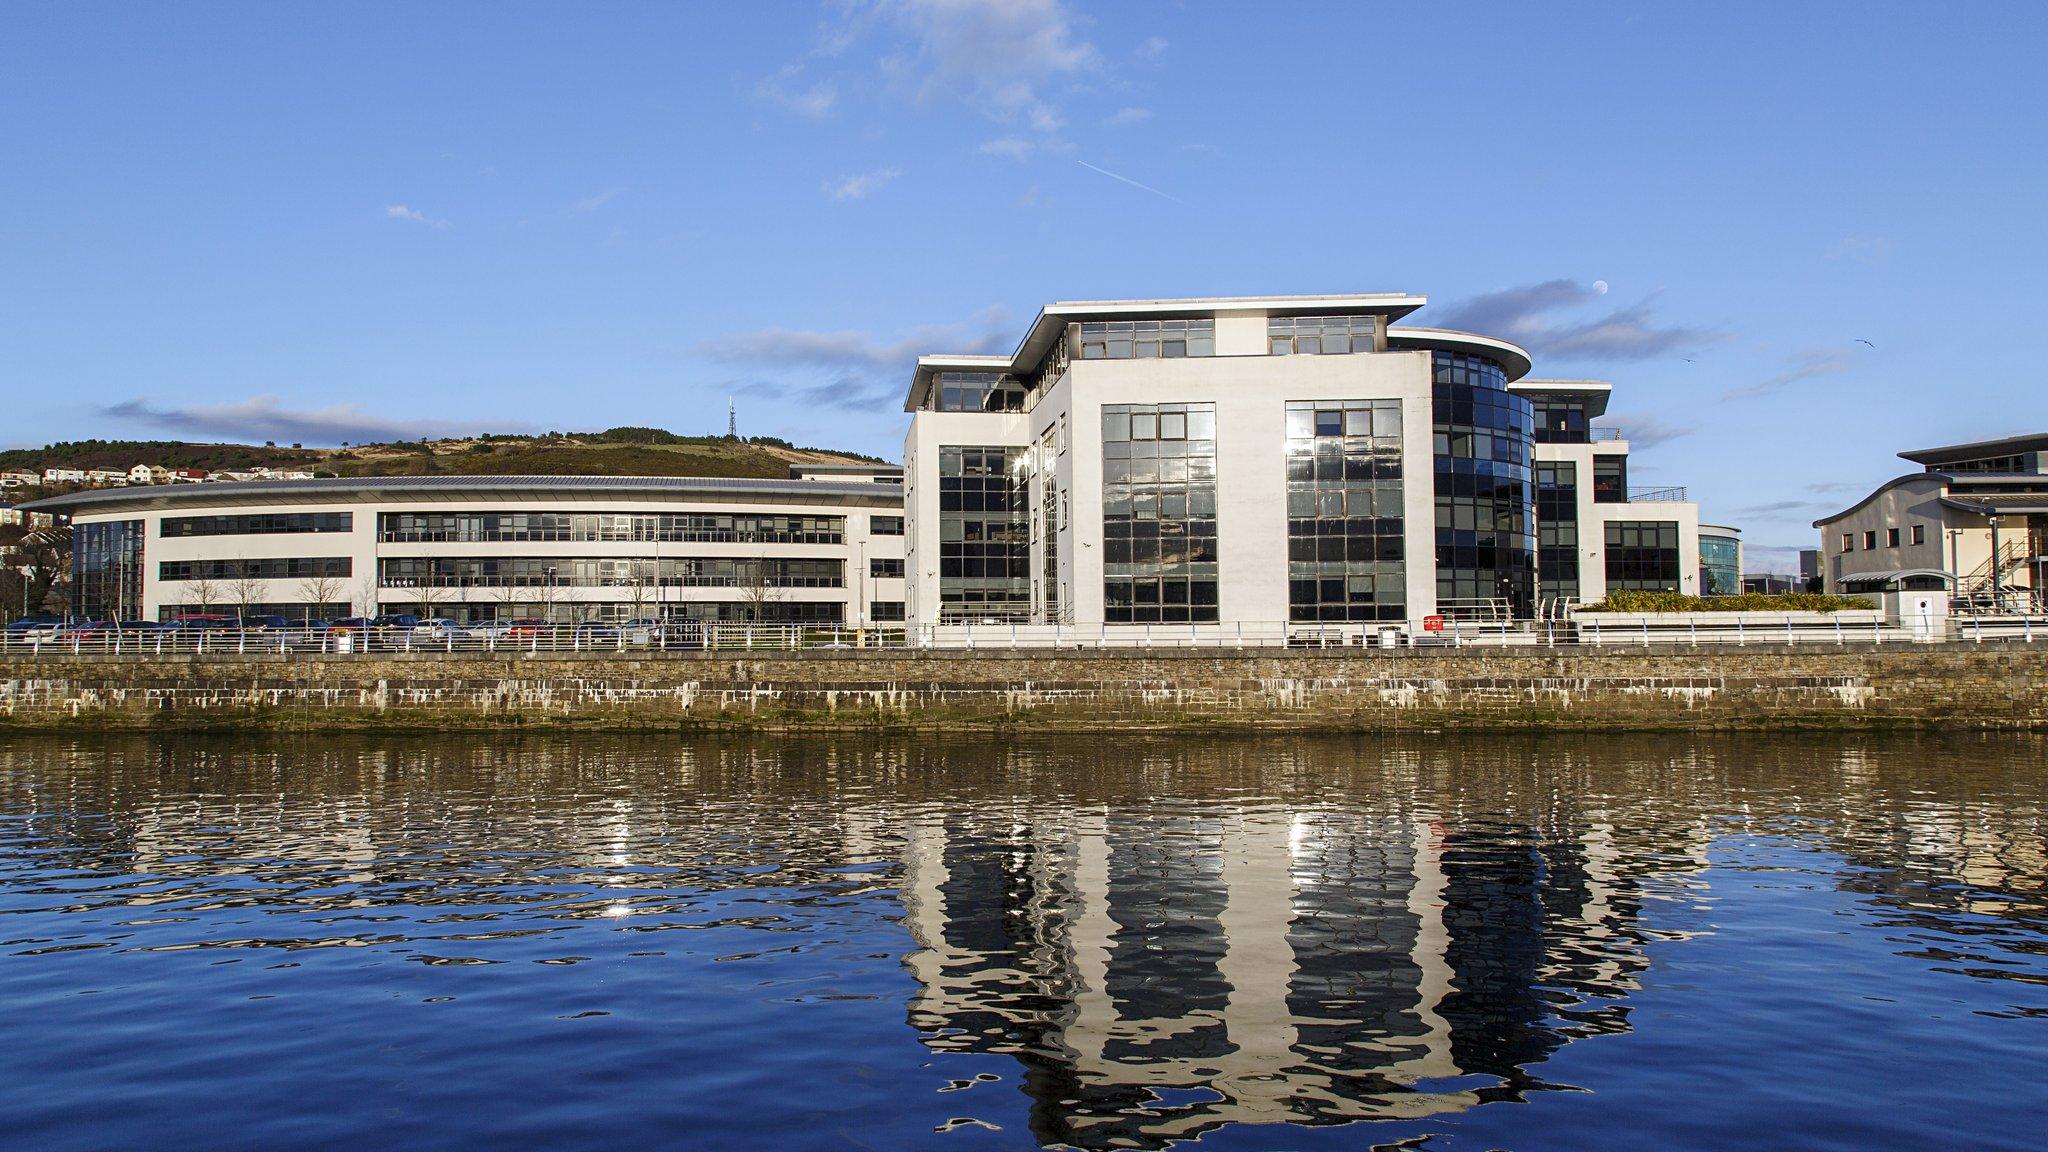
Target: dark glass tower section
{"type": "Point", "coordinates": [106, 570]}
{"type": "Point", "coordinates": [1485, 490]}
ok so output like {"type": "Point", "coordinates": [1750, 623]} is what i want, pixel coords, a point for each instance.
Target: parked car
{"type": "Point", "coordinates": [34, 629]}
{"type": "Point", "coordinates": [350, 624]}
{"type": "Point", "coordinates": [440, 628]}
{"type": "Point", "coordinates": [265, 623]}
{"type": "Point", "coordinates": [523, 628]}
{"type": "Point", "coordinates": [641, 631]}
{"type": "Point", "coordinates": [396, 622]}
{"type": "Point", "coordinates": [201, 622]}
{"type": "Point", "coordinates": [596, 632]}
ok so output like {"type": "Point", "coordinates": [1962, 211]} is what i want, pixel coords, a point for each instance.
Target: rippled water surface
{"type": "Point", "coordinates": [1250, 944]}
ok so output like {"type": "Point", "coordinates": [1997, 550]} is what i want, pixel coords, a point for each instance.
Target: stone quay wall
{"type": "Point", "coordinates": [1987, 686]}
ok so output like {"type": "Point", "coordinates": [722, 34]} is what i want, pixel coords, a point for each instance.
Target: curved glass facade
{"type": "Point", "coordinates": [1485, 488]}
{"type": "Point", "coordinates": [1720, 565]}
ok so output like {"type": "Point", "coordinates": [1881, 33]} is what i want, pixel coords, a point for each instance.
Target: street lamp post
{"type": "Point", "coordinates": [1997, 581]}
{"type": "Point", "coordinates": [550, 592]}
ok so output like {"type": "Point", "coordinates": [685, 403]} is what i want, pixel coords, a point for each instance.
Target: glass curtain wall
{"type": "Point", "coordinates": [1485, 490]}
{"type": "Point", "coordinates": [1557, 530]}
{"type": "Point", "coordinates": [984, 534]}
{"type": "Point", "coordinates": [106, 570]}
{"type": "Point", "coordinates": [1642, 556]}
{"type": "Point", "coordinates": [1159, 513]}
{"type": "Point", "coordinates": [1344, 515]}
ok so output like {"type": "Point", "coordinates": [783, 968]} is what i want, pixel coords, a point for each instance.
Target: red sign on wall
{"type": "Point", "coordinates": [1432, 623]}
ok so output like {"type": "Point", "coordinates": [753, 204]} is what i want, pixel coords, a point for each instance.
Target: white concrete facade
{"type": "Point", "coordinates": [607, 571]}
{"type": "Point", "coordinates": [1058, 428]}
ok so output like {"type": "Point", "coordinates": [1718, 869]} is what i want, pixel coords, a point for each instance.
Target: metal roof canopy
{"type": "Point", "coordinates": [525, 489]}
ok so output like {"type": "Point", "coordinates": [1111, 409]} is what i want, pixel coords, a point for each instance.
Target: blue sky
{"type": "Point", "coordinates": [351, 221]}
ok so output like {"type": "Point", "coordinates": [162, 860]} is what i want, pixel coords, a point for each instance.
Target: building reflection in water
{"type": "Point", "coordinates": [1161, 975]}
{"type": "Point", "coordinates": [1165, 939]}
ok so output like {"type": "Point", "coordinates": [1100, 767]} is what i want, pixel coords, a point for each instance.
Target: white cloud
{"type": "Point", "coordinates": [1002, 57]}
{"type": "Point", "coordinates": [858, 371]}
{"type": "Point", "coordinates": [1526, 315]}
{"type": "Point", "coordinates": [261, 418]}
{"type": "Point", "coordinates": [860, 185]}
{"type": "Point", "coordinates": [1648, 431]}
{"type": "Point", "coordinates": [1153, 48]}
{"type": "Point", "coordinates": [411, 216]}
{"type": "Point", "coordinates": [787, 91]}
{"type": "Point", "coordinates": [1127, 116]}
{"type": "Point", "coordinates": [1806, 365]}
{"type": "Point", "coordinates": [1009, 147]}
{"type": "Point", "coordinates": [593, 203]}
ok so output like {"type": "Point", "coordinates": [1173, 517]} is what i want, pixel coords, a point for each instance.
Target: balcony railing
{"type": "Point", "coordinates": [1656, 495]}
{"type": "Point", "coordinates": [1597, 434]}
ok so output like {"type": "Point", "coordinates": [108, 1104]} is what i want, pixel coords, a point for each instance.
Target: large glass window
{"type": "Point", "coordinates": [886, 568]}
{"type": "Point", "coordinates": [1485, 498]}
{"type": "Point", "coordinates": [1148, 339]}
{"type": "Point", "coordinates": [1557, 530]}
{"type": "Point", "coordinates": [1720, 565]}
{"type": "Point", "coordinates": [264, 568]}
{"type": "Point", "coordinates": [984, 534]}
{"type": "Point", "coordinates": [977, 392]}
{"type": "Point", "coordinates": [885, 525]}
{"type": "Point", "coordinates": [1159, 513]}
{"type": "Point", "coordinates": [1561, 421]}
{"type": "Point", "coordinates": [106, 570]}
{"type": "Point", "coordinates": [1320, 335]}
{"type": "Point", "coordinates": [609, 572]}
{"type": "Point", "coordinates": [256, 524]}
{"type": "Point", "coordinates": [1345, 558]}
{"type": "Point", "coordinates": [1610, 479]}
{"type": "Point", "coordinates": [1642, 556]}
{"type": "Point", "coordinates": [664, 527]}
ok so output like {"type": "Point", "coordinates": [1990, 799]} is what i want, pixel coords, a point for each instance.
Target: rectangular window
{"type": "Point", "coordinates": [1159, 513]}
{"type": "Point", "coordinates": [1610, 479]}
{"type": "Point", "coordinates": [984, 534]}
{"type": "Point", "coordinates": [976, 392]}
{"type": "Point", "coordinates": [267, 568]}
{"type": "Point", "coordinates": [885, 569]}
{"type": "Point", "coordinates": [1891, 537]}
{"type": "Point", "coordinates": [1557, 530]}
{"type": "Point", "coordinates": [885, 525]}
{"type": "Point", "coordinates": [1345, 543]}
{"type": "Point", "coordinates": [1870, 541]}
{"type": "Point", "coordinates": [1919, 533]}
{"type": "Point", "coordinates": [1320, 335]}
{"type": "Point", "coordinates": [1642, 556]}
{"type": "Point", "coordinates": [1147, 339]}
{"type": "Point", "coordinates": [256, 524]}
{"type": "Point", "coordinates": [885, 611]}
{"type": "Point", "coordinates": [1848, 541]}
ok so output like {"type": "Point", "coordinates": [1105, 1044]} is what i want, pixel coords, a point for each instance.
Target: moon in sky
{"type": "Point", "coordinates": [1600, 287]}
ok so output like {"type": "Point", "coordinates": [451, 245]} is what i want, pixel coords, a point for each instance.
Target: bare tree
{"type": "Point", "coordinates": [758, 590]}
{"type": "Point", "coordinates": [201, 592]}
{"type": "Point", "coordinates": [320, 590]}
{"type": "Point", "coordinates": [244, 589]}
{"type": "Point", "coordinates": [366, 594]}
{"type": "Point", "coordinates": [430, 596]}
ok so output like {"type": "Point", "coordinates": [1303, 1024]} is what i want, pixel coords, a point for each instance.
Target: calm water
{"type": "Point", "coordinates": [1542, 944]}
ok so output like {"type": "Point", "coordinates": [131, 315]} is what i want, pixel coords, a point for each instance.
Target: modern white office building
{"type": "Point", "coordinates": [1973, 521]}
{"type": "Point", "coordinates": [821, 548]}
{"type": "Point", "coordinates": [1304, 459]}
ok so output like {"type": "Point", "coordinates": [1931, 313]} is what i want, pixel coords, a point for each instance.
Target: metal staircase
{"type": "Point", "coordinates": [1988, 589]}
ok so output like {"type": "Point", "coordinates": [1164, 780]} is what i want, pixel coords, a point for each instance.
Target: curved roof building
{"type": "Point", "coordinates": [819, 550]}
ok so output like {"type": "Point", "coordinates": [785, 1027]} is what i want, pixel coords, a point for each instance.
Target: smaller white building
{"type": "Point", "coordinates": [1973, 522]}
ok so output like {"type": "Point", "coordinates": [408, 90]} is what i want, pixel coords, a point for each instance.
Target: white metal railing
{"type": "Point", "coordinates": [598, 639]}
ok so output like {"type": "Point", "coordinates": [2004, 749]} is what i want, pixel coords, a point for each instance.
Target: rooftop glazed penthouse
{"type": "Point", "coordinates": [1270, 458]}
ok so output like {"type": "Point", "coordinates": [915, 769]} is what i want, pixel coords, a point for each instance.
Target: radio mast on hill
{"type": "Point", "coordinates": [732, 420]}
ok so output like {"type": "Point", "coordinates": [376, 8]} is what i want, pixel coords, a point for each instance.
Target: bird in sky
{"type": "Point", "coordinates": [1861, 340]}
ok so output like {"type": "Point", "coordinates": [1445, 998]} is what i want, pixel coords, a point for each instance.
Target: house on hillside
{"type": "Point", "coordinates": [187, 475]}
{"type": "Point", "coordinates": [106, 476]}
{"type": "Point", "coordinates": [19, 479]}
{"type": "Point", "coordinates": [63, 475]}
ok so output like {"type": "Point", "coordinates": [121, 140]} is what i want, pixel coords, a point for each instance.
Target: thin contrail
{"type": "Point", "coordinates": [1128, 180]}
